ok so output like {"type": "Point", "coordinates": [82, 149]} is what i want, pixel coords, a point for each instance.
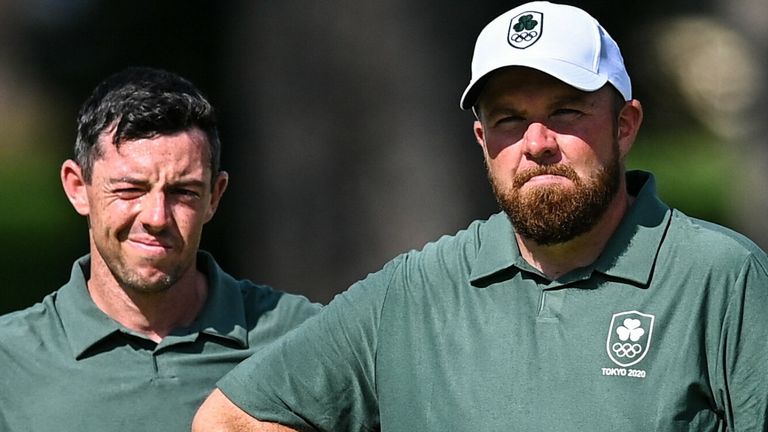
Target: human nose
{"type": "Point", "coordinates": [539, 142]}
{"type": "Point", "coordinates": [154, 211]}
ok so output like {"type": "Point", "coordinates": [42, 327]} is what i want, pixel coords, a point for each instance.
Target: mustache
{"type": "Point", "coordinates": [560, 170]}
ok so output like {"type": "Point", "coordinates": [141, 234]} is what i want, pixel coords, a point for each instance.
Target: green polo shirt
{"type": "Point", "coordinates": [66, 366]}
{"type": "Point", "coordinates": [666, 331]}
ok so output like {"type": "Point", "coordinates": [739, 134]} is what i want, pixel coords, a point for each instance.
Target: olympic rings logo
{"type": "Point", "coordinates": [626, 349]}
{"type": "Point", "coordinates": [524, 36]}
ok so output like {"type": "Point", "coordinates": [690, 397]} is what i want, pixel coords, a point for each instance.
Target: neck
{"type": "Point", "coordinates": [153, 314]}
{"type": "Point", "coordinates": [558, 259]}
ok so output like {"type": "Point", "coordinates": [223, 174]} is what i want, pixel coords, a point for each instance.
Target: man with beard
{"type": "Point", "coordinates": [147, 322]}
{"type": "Point", "coordinates": [587, 305]}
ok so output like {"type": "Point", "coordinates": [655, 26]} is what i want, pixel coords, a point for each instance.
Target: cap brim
{"type": "Point", "coordinates": [568, 73]}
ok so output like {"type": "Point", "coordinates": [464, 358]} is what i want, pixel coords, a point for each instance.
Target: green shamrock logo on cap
{"type": "Point", "coordinates": [525, 29]}
{"type": "Point", "coordinates": [526, 22]}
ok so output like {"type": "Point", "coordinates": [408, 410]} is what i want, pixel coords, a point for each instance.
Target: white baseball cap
{"type": "Point", "coordinates": [560, 40]}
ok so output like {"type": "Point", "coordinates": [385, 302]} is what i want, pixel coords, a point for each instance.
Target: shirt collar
{"type": "Point", "coordinates": [85, 325]}
{"type": "Point", "coordinates": [630, 253]}
{"type": "Point", "coordinates": [632, 250]}
{"type": "Point", "coordinates": [224, 312]}
{"type": "Point", "coordinates": [498, 249]}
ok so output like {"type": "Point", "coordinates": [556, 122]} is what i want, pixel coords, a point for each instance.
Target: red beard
{"type": "Point", "coordinates": [556, 214]}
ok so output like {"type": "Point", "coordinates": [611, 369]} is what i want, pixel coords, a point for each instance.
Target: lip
{"type": "Point", "coordinates": [548, 178]}
{"type": "Point", "coordinates": [149, 245]}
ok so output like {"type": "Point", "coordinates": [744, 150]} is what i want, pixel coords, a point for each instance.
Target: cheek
{"type": "Point", "coordinates": [500, 145]}
{"type": "Point", "coordinates": [594, 142]}
{"type": "Point", "coordinates": [506, 160]}
{"type": "Point", "coordinates": [190, 221]}
{"type": "Point", "coordinates": [583, 157]}
{"type": "Point", "coordinates": [115, 217]}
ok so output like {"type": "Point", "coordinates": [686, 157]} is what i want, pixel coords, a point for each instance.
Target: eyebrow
{"type": "Point", "coordinates": [504, 111]}
{"type": "Point", "coordinates": [189, 183]}
{"type": "Point", "coordinates": [141, 182]}
{"type": "Point", "coordinates": [577, 97]}
{"type": "Point", "coordinates": [126, 179]}
{"type": "Point", "coordinates": [584, 98]}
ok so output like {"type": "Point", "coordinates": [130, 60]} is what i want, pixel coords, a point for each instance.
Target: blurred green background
{"type": "Point", "coordinates": [340, 122]}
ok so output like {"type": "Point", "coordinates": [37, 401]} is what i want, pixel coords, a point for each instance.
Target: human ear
{"type": "Point", "coordinates": [75, 187]}
{"type": "Point", "coordinates": [477, 128]}
{"type": "Point", "coordinates": [630, 118]}
{"type": "Point", "coordinates": [219, 186]}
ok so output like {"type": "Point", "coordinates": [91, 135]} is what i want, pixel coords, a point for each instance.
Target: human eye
{"type": "Point", "coordinates": [190, 193]}
{"type": "Point", "coordinates": [567, 112]}
{"type": "Point", "coordinates": [128, 192]}
{"type": "Point", "coordinates": [508, 120]}
{"type": "Point", "coordinates": [186, 193]}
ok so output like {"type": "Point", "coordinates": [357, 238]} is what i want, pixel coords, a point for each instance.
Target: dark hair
{"type": "Point", "coordinates": [143, 102]}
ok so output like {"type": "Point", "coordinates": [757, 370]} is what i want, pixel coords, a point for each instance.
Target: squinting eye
{"type": "Point", "coordinates": [566, 112]}
{"type": "Point", "coordinates": [509, 120]}
{"type": "Point", "coordinates": [129, 193]}
{"type": "Point", "coordinates": [187, 193]}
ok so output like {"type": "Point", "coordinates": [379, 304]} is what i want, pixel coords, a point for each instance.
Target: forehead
{"type": "Point", "coordinates": [180, 153]}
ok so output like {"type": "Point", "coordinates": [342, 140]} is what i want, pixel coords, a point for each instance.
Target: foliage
{"type": "Point", "coordinates": [690, 167]}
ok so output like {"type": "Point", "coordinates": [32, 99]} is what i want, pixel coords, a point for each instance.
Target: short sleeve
{"type": "Point", "coordinates": [320, 376]}
{"type": "Point", "coordinates": [743, 387]}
